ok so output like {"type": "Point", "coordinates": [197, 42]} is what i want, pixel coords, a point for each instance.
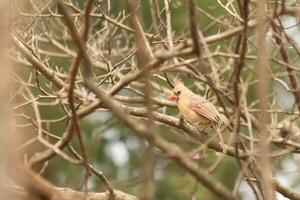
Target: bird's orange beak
{"type": "Point", "coordinates": [173, 97]}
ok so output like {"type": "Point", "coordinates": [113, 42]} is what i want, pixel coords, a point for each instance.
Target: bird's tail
{"type": "Point", "coordinates": [217, 127]}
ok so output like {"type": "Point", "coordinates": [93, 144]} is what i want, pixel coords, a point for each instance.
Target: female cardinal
{"type": "Point", "coordinates": [195, 109]}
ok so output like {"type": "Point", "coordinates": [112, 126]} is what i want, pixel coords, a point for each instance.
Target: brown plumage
{"type": "Point", "coordinates": [194, 108]}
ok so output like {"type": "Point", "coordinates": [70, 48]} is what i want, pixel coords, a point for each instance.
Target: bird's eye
{"type": "Point", "coordinates": [178, 92]}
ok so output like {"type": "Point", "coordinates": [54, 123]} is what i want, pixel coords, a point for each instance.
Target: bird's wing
{"type": "Point", "coordinates": [206, 109]}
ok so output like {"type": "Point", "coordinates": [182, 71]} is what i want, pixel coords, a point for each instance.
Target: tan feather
{"type": "Point", "coordinates": [196, 109]}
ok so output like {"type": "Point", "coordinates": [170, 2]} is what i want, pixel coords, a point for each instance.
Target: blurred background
{"type": "Point", "coordinates": [112, 147]}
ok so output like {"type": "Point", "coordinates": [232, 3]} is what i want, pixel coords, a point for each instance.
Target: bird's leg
{"type": "Point", "coordinates": [221, 140]}
{"type": "Point", "coordinates": [203, 129]}
{"type": "Point", "coordinates": [200, 129]}
{"type": "Point", "coordinates": [181, 120]}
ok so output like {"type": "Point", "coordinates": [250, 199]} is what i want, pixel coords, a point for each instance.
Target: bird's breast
{"type": "Point", "coordinates": [190, 115]}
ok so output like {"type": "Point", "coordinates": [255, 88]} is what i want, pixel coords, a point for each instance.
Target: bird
{"type": "Point", "coordinates": [196, 109]}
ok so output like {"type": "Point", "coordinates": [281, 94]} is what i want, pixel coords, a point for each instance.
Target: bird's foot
{"type": "Point", "coordinates": [200, 129]}
{"type": "Point", "coordinates": [180, 121]}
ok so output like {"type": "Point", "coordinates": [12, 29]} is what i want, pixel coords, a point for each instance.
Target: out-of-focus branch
{"type": "Point", "coordinates": [144, 54]}
{"type": "Point", "coordinates": [285, 191]}
{"type": "Point", "coordinates": [35, 186]}
{"type": "Point", "coordinates": [72, 78]}
{"type": "Point", "coordinates": [285, 57]}
{"type": "Point", "coordinates": [262, 90]}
